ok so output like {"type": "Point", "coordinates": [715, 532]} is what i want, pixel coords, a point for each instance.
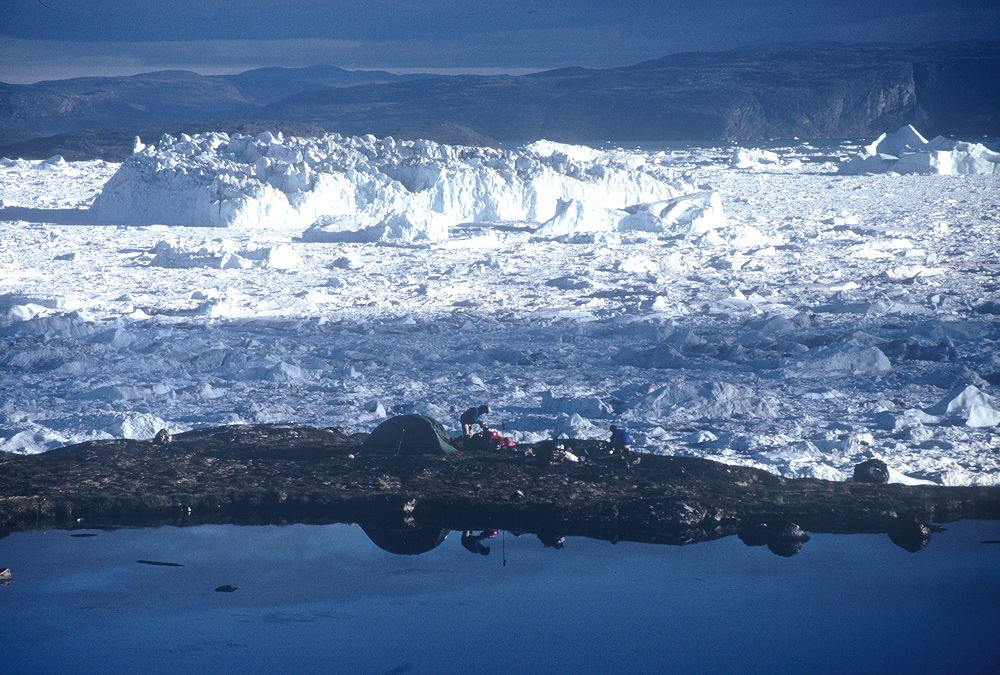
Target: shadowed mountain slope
{"type": "Point", "coordinates": [808, 93]}
{"type": "Point", "coordinates": [841, 92]}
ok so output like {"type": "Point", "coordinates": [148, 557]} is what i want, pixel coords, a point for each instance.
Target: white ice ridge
{"type": "Point", "coordinates": [363, 188]}
{"type": "Point", "coordinates": [906, 151]}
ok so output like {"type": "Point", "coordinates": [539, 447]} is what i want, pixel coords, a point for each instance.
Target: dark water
{"type": "Point", "coordinates": [315, 599]}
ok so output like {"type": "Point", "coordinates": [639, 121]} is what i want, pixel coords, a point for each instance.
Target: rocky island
{"type": "Point", "coordinates": [274, 474]}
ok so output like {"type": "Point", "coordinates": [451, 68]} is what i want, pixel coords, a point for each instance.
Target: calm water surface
{"type": "Point", "coordinates": [326, 599]}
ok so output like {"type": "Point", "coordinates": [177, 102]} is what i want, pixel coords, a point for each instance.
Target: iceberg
{"type": "Point", "coordinates": [906, 151]}
{"type": "Point", "coordinates": [268, 181]}
{"type": "Point", "coordinates": [977, 408]}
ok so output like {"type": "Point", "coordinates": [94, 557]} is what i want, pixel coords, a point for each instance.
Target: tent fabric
{"type": "Point", "coordinates": [411, 435]}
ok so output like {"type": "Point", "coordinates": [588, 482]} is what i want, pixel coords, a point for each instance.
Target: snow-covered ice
{"type": "Point", "coordinates": [408, 189]}
{"type": "Point", "coordinates": [906, 151]}
{"type": "Point", "coordinates": [753, 305]}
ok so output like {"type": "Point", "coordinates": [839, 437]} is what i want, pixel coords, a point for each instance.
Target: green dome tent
{"type": "Point", "coordinates": [410, 435]}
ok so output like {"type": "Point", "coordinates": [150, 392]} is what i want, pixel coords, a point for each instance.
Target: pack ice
{"type": "Point", "coordinates": [367, 189]}
{"type": "Point", "coordinates": [820, 320]}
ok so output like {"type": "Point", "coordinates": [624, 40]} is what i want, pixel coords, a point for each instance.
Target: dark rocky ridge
{"type": "Point", "coordinates": [62, 106]}
{"type": "Point", "coordinates": [290, 473]}
{"type": "Point", "coordinates": [842, 92]}
{"type": "Point", "coordinates": [163, 97]}
{"type": "Point", "coordinates": [850, 92]}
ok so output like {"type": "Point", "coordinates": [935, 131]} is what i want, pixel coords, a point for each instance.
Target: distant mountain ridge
{"type": "Point", "coordinates": [163, 97]}
{"type": "Point", "coordinates": [268, 85]}
{"type": "Point", "coordinates": [743, 95]}
{"type": "Point", "coordinates": [831, 92]}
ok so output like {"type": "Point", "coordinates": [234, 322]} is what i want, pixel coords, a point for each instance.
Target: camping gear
{"type": "Point", "coordinates": [489, 440]}
{"type": "Point", "coordinates": [410, 435]}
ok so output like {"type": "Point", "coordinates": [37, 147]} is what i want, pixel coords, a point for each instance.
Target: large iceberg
{"type": "Point", "coordinates": [366, 188]}
{"type": "Point", "coordinates": [906, 151]}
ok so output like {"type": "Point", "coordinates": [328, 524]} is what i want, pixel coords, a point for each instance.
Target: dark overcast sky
{"type": "Point", "coordinates": [47, 39]}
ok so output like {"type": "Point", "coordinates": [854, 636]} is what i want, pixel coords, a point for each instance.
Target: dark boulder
{"type": "Point", "coordinates": [871, 471]}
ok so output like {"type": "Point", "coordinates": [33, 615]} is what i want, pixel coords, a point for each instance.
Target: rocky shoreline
{"type": "Point", "coordinates": [276, 474]}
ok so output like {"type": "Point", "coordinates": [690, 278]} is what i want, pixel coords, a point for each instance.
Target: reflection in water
{"type": "Point", "coordinates": [910, 535]}
{"type": "Point", "coordinates": [323, 599]}
{"type": "Point", "coordinates": [408, 541]}
{"type": "Point", "coordinates": [473, 543]}
{"type": "Point", "coordinates": [550, 540]}
{"type": "Point", "coordinates": [782, 539]}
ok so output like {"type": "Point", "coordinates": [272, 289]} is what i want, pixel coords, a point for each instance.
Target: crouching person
{"type": "Point", "coordinates": [621, 442]}
{"type": "Point", "coordinates": [473, 417]}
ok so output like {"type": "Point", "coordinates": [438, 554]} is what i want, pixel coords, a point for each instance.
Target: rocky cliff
{"type": "Point", "coordinates": [805, 93]}
{"type": "Point", "coordinates": [843, 92]}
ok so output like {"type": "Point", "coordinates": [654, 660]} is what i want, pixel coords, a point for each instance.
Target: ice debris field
{"type": "Point", "coordinates": [798, 307]}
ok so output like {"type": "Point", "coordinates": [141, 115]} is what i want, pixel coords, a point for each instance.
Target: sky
{"type": "Point", "coordinates": [55, 39]}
